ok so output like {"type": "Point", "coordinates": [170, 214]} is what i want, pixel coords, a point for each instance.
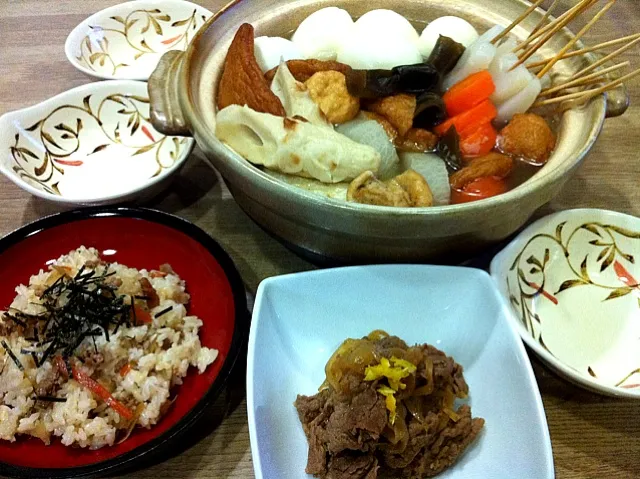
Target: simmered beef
{"type": "Point", "coordinates": [355, 435]}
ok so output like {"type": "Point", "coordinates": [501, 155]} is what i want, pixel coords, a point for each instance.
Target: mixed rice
{"type": "Point", "coordinates": [90, 390]}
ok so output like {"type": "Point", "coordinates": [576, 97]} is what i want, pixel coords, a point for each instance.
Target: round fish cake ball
{"type": "Point", "coordinates": [372, 52]}
{"type": "Point", "coordinates": [386, 23]}
{"type": "Point", "coordinates": [320, 34]}
{"type": "Point", "coordinates": [455, 28]}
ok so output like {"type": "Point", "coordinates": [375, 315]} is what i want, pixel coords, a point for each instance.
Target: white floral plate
{"type": "Point", "coordinates": [300, 319]}
{"type": "Point", "coordinates": [127, 40]}
{"type": "Point", "coordinates": [90, 145]}
{"type": "Point", "coordinates": [572, 281]}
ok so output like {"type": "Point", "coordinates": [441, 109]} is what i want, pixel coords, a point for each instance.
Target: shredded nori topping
{"type": "Point", "coordinates": [75, 308]}
{"type": "Point", "coordinates": [164, 311]}
{"type": "Point", "coordinates": [50, 399]}
{"type": "Point", "coordinates": [12, 355]}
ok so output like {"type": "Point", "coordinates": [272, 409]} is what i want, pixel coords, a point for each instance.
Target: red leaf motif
{"type": "Point", "coordinates": [146, 131]}
{"type": "Point", "coordinates": [546, 294]}
{"type": "Point", "coordinates": [624, 275]}
{"type": "Point", "coordinates": [169, 41]}
{"type": "Point", "coordinates": [70, 162]}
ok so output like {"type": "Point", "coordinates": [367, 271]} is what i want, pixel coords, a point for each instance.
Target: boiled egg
{"type": "Point", "coordinates": [368, 52]}
{"type": "Point", "coordinates": [455, 28]}
{"type": "Point", "coordinates": [270, 50]}
{"type": "Point", "coordinates": [320, 34]}
{"type": "Point", "coordinates": [387, 23]}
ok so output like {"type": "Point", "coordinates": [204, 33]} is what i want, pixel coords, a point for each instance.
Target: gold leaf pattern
{"type": "Point", "coordinates": [603, 253]}
{"type": "Point", "coordinates": [49, 138]}
{"type": "Point", "coordinates": [607, 246]}
{"type": "Point", "coordinates": [144, 149]}
{"type": "Point", "coordinates": [618, 293]}
{"type": "Point", "coordinates": [180, 33]}
{"type": "Point", "coordinates": [42, 169]}
{"type": "Point", "coordinates": [570, 283]}
{"type": "Point", "coordinates": [624, 231]}
{"type": "Point", "coordinates": [559, 231]}
{"type": "Point", "coordinates": [609, 259]}
{"type": "Point", "coordinates": [607, 253]}
{"type": "Point", "coordinates": [98, 148]}
{"type": "Point", "coordinates": [591, 228]}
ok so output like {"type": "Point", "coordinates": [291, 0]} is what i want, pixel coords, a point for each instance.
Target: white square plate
{"type": "Point", "coordinates": [300, 319]}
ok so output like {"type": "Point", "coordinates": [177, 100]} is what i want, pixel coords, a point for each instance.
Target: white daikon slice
{"type": "Point", "coordinates": [506, 46]}
{"type": "Point", "coordinates": [476, 58]}
{"type": "Point", "coordinates": [490, 34]}
{"type": "Point", "coordinates": [508, 82]}
{"type": "Point", "coordinates": [434, 170]}
{"type": "Point", "coordinates": [519, 103]}
{"type": "Point", "coordinates": [371, 133]}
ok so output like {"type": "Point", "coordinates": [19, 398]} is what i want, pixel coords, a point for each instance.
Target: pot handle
{"type": "Point", "coordinates": [166, 114]}
{"type": "Point", "coordinates": [617, 101]}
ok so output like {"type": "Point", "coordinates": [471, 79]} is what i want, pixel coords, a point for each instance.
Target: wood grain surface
{"type": "Point", "coordinates": [592, 436]}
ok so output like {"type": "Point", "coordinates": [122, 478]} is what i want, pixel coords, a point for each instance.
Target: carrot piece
{"type": "Point", "coordinates": [124, 370]}
{"type": "Point", "coordinates": [467, 122]}
{"type": "Point", "coordinates": [140, 315]}
{"type": "Point", "coordinates": [478, 189]}
{"type": "Point", "coordinates": [99, 390]}
{"type": "Point", "coordinates": [468, 93]}
{"type": "Point", "coordinates": [480, 142]}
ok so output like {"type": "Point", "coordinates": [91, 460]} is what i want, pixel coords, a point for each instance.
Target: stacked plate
{"type": "Point", "coordinates": [95, 144]}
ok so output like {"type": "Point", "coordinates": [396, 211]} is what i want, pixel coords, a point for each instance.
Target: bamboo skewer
{"type": "Point", "coordinates": [552, 25]}
{"type": "Point", "coordinates": [605, 59]}
{"type": "Point", "coordinates": [545, 18]}
{"type": "Point", "coordinates": [588, 79]}
{"type": "Point", "coordinates": [582, 51]}
{"type": "Point", "coordinates": [575, 39]}
{"type": "Point", "coordinates": [526, 13]}
{"type": "Point", "coordinates": [588, 94]}
{"type": "Point", "coordinates": [551, 32]}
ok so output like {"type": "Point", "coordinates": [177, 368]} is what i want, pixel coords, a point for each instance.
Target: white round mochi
{"type": "Point", "coordinates": [320, 34]}
{"type": "Point", "coordinates": [377, 51]}
{"type": "Point", "coordinates": [455, 28]}
{"type": "Point", "coordinates": [386, 23]}
{"type": "Point", "coordinates": [269, 51]}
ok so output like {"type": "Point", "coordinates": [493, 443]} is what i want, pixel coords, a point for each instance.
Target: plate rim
{"type": "Point", "coordinates": [153, 448]}
{"type": "Point", "coordinates": [482, 276]}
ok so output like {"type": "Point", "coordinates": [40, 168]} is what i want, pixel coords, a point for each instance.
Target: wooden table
{"type": "Point", "coordinates": [593, 437]}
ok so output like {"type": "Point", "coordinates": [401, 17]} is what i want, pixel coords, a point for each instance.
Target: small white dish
{"type": "Point", "coordinates": [127, 40]}
{"type": "Point", "coordinates": [572, 281]}
{"type": "Point", "coordinates": [300, 319]}
{"type": "Point", "coordinates": [90, 145]}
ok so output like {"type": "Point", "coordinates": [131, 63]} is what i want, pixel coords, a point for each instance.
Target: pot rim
{"type": "Point", "coordinates": [537, 183]}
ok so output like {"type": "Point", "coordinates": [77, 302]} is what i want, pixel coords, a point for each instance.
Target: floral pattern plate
{"type": "Point", "coordinates": [127, 40]}
{"type": "Point", "coordinates": [572, 281]}
{"type": "Point", "coordinates": [90, 145]}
